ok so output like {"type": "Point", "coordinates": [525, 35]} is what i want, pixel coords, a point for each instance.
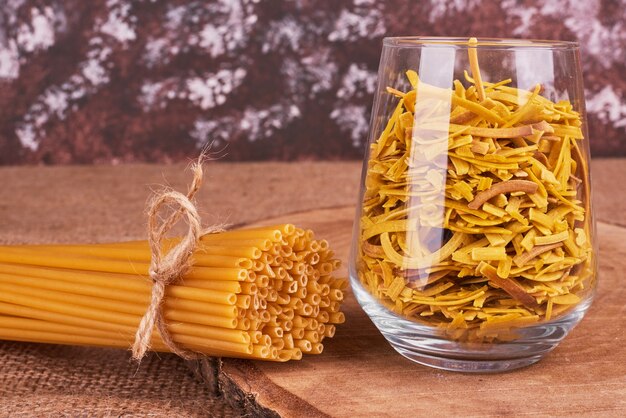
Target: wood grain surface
{"type": "Point", "coordinates": [359, 374]}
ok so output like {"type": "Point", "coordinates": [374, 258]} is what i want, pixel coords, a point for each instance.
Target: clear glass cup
{"type": "Point", "coordinates": [473, 247]}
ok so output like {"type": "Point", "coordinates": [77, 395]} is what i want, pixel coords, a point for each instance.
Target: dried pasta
{"type": "Point", "coordinates": [475, 213]}
{"type": "Point", "coordinates": [265, 293]}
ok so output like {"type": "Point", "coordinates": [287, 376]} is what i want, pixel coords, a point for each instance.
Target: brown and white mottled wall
{"type": "Point", "coordinates": [130, 80]}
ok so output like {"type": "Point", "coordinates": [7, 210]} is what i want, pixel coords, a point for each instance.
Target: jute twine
{"type": "Point", "coordinates": [167, 268]}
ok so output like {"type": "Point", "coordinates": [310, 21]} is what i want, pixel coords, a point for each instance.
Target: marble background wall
{"type": "Point", "coordinates": [108, 81]}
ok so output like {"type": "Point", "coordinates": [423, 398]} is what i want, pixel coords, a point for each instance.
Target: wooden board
{"type": "Point", "coordinates": [359, 374]}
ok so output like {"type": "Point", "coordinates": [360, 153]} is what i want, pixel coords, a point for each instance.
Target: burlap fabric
{"type": "Point", "coordinates": [49, 380]}
{"type": "Point", "coordinates": [107, 203]}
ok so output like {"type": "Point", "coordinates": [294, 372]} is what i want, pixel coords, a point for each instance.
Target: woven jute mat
{"type": "Point", "coordinates": [54, 380]}
{"type": "Point", "coordinates": [106, 203]}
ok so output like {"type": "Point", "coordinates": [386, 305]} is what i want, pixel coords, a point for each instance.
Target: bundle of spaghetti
{"type": "Point", "coordinates": [475, 214]}
{"type": "Point", "coordinates": [264, 293]}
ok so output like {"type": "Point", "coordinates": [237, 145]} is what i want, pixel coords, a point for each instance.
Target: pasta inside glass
{"type": "Point", "coordinates": [473, 249]}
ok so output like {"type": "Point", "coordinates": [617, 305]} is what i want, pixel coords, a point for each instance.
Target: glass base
{"type": "Point", "coordinates": [426, 345]}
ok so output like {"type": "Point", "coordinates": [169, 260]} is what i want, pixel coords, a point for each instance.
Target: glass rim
{"type": "Point", "coordinates": [483, 43]}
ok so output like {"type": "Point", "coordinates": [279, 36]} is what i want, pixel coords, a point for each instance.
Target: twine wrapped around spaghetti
{"type": "Point", "coordinates": [263, 293]}
{"type": "Point", "coordinates": [166, 269]}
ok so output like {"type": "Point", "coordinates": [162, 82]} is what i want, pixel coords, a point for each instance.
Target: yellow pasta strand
{"type": "Point", "coordinates": [264, 293]}
{"type": "Point", "coordinates": [492, 237]}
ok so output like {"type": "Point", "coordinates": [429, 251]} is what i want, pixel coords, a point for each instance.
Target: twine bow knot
{"type": "Point", "coordinates": [167, 268]}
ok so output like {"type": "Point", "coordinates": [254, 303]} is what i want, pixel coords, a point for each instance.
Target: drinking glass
{"type": "Point", "coordinates": [473, 246]}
